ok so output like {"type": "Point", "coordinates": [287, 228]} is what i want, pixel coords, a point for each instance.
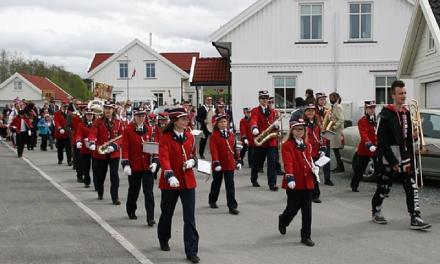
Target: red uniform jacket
{"type": "Point", "coordinates": [82, 133]}
{"type": "Point", "coordinates": [260, 121]}
{"type": "Point", "coordinates": [245, 131]}
{"type": "Point", "coordinates": [99, 134]}
{"type": "Point", "coordinates": [296, 165]}
{"type": "Point", "coordinates": [60, 121]}
{"type": "Point", "coordinates": [223, 151]}
{"type": "Point", "coordinates": [76, 120]}
{"type": "Point", "coordinates": [314, 137]}
{"type": "Point", "coordinates": [172, 155]}
{"type": "Point", "coordinates": [132, 148]}
{"type": "Point", "coordinates": [367, 132]}
{"type": "Point", "coordinates": [16, 122]}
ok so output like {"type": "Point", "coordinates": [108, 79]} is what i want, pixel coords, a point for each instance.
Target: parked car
{"type": "Point", "coordinates": [430, 161]}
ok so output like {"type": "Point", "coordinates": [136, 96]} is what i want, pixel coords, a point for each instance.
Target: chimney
{"type": "Point", "coordinates": [151, 39]}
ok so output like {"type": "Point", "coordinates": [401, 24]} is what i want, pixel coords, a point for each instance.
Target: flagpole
{"type": "Point", "coordinates": [128, 72]}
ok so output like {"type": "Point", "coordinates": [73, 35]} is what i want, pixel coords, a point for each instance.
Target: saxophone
{"type": "Point", "coordinates": [327, 123]}
{"type": "Point", "coordinates": [270, 132]}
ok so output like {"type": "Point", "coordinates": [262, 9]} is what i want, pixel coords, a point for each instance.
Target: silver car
{"type": "Point", "coordinates": [431, 132]}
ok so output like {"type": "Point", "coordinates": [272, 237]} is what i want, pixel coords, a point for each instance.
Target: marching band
{"type": "Point", "coordinates": [148, 144]}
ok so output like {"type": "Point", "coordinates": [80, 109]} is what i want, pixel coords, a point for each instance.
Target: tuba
{"type": "Point", "coordinates": [96, 106]}
{"type": "Point", "coordinates": [418, 146]}
{"type": "Point", "coordinates": [270, 132]}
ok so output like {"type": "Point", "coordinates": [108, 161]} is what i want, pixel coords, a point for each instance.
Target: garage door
{"type": "Point", "coordinates": [433, 95]}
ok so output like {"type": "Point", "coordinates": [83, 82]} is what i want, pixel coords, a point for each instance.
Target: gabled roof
{"type": "Point", "coordinates": [212, 71]}
{"type": "Point", "coordinates": [182, 59]}
{"type": "Point", "coordinates": [425, 11]}
{"type": "Point", "coordinates": [125, 49]}
{"type": "Point", "coordinates": [46, 85]}
{"type": "Point", "coordinates": [98, 59]}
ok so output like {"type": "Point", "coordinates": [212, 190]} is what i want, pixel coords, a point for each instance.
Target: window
{"type": "Point", "coordinates": [431, 125]}
{"type": "Point", "coordinates": [431, 43]}
{"type": "Point", "coordinates": [284, 88]}
{"type": "Point", "coordinates": [383, 89]}
{"type": "Point", "coordinates": [18, 85]}
{"type": "Point", "coordinates": [360, 21]}
{"type": "Point", "coordinates": [311, 22]}
{"type": "Point", "coordinates": [159, 98]}
{"type": "Point", "coordinates": [190, 98]}
{"type": "Point", "coordinates": [150, 70]}
{"type": "Point", "coordinates": [123, 70]}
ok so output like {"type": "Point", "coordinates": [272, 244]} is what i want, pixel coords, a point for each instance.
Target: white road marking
{"type": "Point", "coordinates": [115, 234]}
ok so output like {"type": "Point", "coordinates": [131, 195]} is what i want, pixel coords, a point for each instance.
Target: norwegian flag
{"type": "Point", "coordinates": [133, 74]}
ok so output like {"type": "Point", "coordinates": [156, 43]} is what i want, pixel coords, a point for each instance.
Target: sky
{"type": "Point", "coordinates": [68, 32]}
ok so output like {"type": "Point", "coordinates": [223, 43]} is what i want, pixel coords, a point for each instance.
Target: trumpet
{"type": "Point", "coordinates": [418, 146]}
{"type": "Point", "coordinates": [103, 148]}
{"type": "Point", "coordinates": [270, 132]}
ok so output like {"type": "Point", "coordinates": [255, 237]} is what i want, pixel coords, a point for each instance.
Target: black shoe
{"type": "Point", "coordinates": [316, 200]}
{"type": "Point", "coordinates": [151, 222]}
{"type": "Point", "coordinates": [87, 186]}
{"type": "Point", "coordinates": [69, 163]}
{"type": "Point", "coordinates": [261, 170]}
{"type": "Point", "coordinates": [60, 161]}
{"type": "Point", "coordinates": [100, 198]}
{"type": "Point", "coordinates": [338, 169]}
{"type": "Point", "coordinates": [308, 242]}
{"type": "Point", "coordinates": [281, 227]}
{"type": "Point", "coordinates": [80, 180]}
{"type": "Point", "coordinates": [417, 223]}
{"type": "Point", "coordinates": [329, 183]}
{"type": "Point", "coordinates": [164, 246]}
{"type": "Point", "coordinates": [234, 211]}
{"type": "Point", "coordinates": [255, 184]}
{"type": "Point", "coordinates": [20, 156]}
{"type": "Point", "coordinates": [132, 216]}
{"type": "Point", "coordinates": [193, 259]}
{"type": "Point", "coordinates": [273, 188]}
{"type": "Point", "coordinates": [213, 205]}
{"type": "Point", "coordinates": [354, 189]}
{"type": "Point", "coordinates": [116, 202]}
{"type": "Point", "coordinates": [378, 218]}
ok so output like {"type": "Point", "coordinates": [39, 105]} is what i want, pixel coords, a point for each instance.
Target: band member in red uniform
{"type": "Point", "coordinates": [82, 144]}
{"type": "Point", "coordinates": [177, 154]}
{"type": "Point", "coordinates": [366, 149]}
{"type": "Point", "coordinates": [138, 165]}
{"type": "Point", "coordinates": [313, 135]}
{"type": "Point", "coordinates": [298, 180]}
{"type": "Point", "coordinates": [162, 121]}
{"type": "Point", "coordinates": [262, 117]}
{"type": "Point", "coordinates": [74, 118]}
{"type": "Point", "coordinates": [22, 125]}
{"type": "Point", "coordinates": [247, 138]}
{"type": "Point", "coordinates": [321, 111]}
{"type": "Point", "coordinates": [104, 129]}
{"type": "Point", "coordinates": [225, 159]}
{"type": "Point", "coordinates": [61, 135]}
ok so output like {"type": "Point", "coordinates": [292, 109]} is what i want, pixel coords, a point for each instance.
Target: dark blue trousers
{"type": "Point", "coordinates": [260, 154]}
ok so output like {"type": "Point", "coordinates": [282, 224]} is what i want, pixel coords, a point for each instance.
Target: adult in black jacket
{"type": "Point", "coordinates": [202, 118]}
{"type": "Point", "coordinates": [395, 142]}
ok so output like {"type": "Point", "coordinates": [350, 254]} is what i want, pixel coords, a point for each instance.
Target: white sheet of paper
{"type": "Point", "coordinates": [196, 132]}
{"type": "Point", "coordinates": [151, 147]}
{"type": "Point", "coordinates": [322, 161]}
{"type": "Point", "coordinates": [204, 166]}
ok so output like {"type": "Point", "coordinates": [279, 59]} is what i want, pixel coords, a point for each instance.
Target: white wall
{"type": "Point", "coordinates": [8, 93]}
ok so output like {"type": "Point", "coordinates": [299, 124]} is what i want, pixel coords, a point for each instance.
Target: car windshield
{"type": "Point", "coordinates": [431, 125]}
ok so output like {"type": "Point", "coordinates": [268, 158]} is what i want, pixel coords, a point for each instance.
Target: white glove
{"type": "Point", "coordinates": [153, 167]}
{"type": "Point", "coordinates": [372, 148]}
{"type": "Point", "coordinates": [321, 154]}
{"type": "Point", "coordinates": [173, 181]}
{"type": "Point", "coordinates": [255, 131]}
{"type": "Point", "coordinates": [218, 168]}
{"type": "Point", "coordinates": [79, 145]}
{"type": "Point", "coordinates": [92, 147]}
{"type": "Point", "coordinates": [127, 170]}
{"type": "Point", "coordinates": [291, 185]}
{"type": "Point", "coordinates": [315, 170]}
{"type": "Point", "coordinates": [29, 133]}
{"type": "Point", "coordinates": [238, 166]}
{"type": "Point", "coordinates": [189, 164]}
{"type": "Point", "coordinates": [62, 131]}
{"type": "Point", "coordinates": [246, 142]}
{"type": "Point", "coordinates": [110, 149]}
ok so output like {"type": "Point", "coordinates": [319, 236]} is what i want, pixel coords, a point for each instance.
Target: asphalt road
{"type": "Point", "coordinates": [38, 224]}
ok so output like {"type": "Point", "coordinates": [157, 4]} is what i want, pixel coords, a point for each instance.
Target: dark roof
{"type": "Point", "coordinates": [212, 71]}
{"type": "Point", "coordinates": [435, 6]}
{"type": "Point", "coordinates": [98, 59]}
{"type": "Point", "coordinates": [46, 85]}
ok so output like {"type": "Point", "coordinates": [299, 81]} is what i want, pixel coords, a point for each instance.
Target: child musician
{"type": "Point", "coordinates": [85, 154]}
{"type": "Point", "coordinates": [298, 180]}
{"type": "Point", "coordinates": [225, 159]}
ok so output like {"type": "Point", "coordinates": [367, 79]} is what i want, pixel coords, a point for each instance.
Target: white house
{"type": "Point", "coordinates": [421, 55]}
{"type": "Point", "coordinates": [137, 72]}
{"type": "Point", "coordinates": [287, 46]}
{"type": "Point", "coordinates": [32, 88]}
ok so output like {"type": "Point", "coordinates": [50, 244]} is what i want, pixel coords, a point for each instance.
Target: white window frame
{"type": "Point", "coordinates": [430, 44]}
{"type": "Point", "coordinates": [311, 39]}
{"type": "Point", "coordinates": [146, 70]}
{"type": "Point", "coordinates": [383, 87]}
{"type": "Point", "coordinates": [120, 68]}
{"type": "Point", "coordinates": [285, 87]}
{"type": "Point", "coordinates": [159, 96]}
{"type": "Point", "coordinates": [360, 21]}
{"type": "Point", "coordinates": [18, 84]}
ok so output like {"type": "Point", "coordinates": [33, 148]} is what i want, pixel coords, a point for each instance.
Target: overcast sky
{"type": "Point", "coordinates": [69, 32]}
